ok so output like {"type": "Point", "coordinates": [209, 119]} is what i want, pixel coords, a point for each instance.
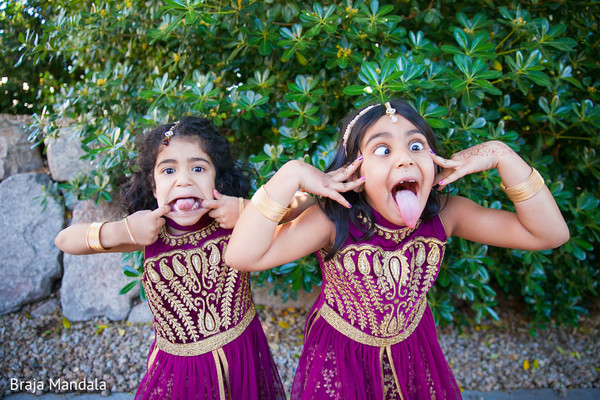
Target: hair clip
{"type": "Point", "coordinates": [390, 112]}
{"type": "Point", "coordinates": [169, 133]}
{"type": "Point", "coordinates": [351, 124]}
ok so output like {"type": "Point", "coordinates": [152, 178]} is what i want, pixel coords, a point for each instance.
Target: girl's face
{"type": "Point", "coordinates": [398, 170]}
{"type": "Point", "coordinates": [184, 176]}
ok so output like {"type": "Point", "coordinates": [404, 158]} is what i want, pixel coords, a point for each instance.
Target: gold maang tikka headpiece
{"type": "Point", "coordinates": [169, 133]}
{"type": "Point", "coordinates": [390, 112]}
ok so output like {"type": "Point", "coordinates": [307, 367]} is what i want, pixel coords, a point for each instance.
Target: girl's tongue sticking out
{"type": "Point", "coordinates": [408, 206]}
{"type": "Point", "coordinates": [185, 204]}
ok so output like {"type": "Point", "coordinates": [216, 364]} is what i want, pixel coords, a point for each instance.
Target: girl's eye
{"type": "Point", "coordinates": [381, 151]}
{"type": "Point", "coordinates": [198, 169]}
{"type": "Point", "coordinates": [169, 171]}
{"type": "Point", "coordinates": [416, 146]}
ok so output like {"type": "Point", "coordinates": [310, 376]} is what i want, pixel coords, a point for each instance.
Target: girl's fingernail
{"type": "Point", "coordinates": [359, 158]}
{"type": "Point", "coordinates": [349, 205]}
{"type": "Point", "coordinates": [440, 182]}
{"type": "Point", "coordinates": [362, 178]}
{"type": "Point", "coordinates": [431, 151]}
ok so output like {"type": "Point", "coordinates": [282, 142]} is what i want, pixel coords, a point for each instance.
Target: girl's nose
{"type": "Point", "coordinates": [404, 160]}
{"type": "Point", "coordinates": [183, 179]}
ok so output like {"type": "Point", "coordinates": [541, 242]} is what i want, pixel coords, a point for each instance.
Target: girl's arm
{"type": "Point", "coordinates": [114, 236]}
{"type": "Point", "coordinates": [258, 243]}
{"type": "Point", "coordinates": [227, 209]}
{"type": "Point", "coordinates": [537, 223]}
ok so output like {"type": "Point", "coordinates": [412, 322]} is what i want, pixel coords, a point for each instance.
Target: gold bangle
{"type": "Point", "coordinates": [241, 205]}
{"type": "Point", "coordinates": [268, 207]}
{"type": "Point", "coordinates": [526, 189]}
{"type": "Point", "coordinates": [129, 231]}
{"type": "Point", "coordinates": [92, 237]}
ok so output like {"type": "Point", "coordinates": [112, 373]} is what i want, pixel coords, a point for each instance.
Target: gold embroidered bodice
{"type": "Point", "coordinates": [198, 302]}
{"type": "Point", "coordinates": [375, 293]}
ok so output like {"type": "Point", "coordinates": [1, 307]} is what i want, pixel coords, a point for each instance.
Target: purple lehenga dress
{"type": "Point", "coordinates": [371, 334]}
{"type": "Point", "coordinates": [209, 343]}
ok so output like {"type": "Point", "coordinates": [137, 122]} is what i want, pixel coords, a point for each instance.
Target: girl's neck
{"type": "Point", "coordinates": [175, 229]}
{"type": "Point", "coordinates": [381, 221]}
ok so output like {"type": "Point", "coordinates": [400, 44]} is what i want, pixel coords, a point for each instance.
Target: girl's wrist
{"type": "Point", "coordinates": [286, 182]}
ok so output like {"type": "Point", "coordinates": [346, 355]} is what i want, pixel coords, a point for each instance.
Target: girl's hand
{"type": "Point", "coordinates": [478, 158]}
{"type": "Point", "coordinates": [145, 225]}
{"type": "Point", "coordinates": [224, 209]}
{"type": "Point", "coordinates": [331, 184]}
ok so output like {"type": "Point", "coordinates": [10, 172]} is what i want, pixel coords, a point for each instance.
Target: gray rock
{"type": "Point", "coordinates": [29, 261]}
{"type": "Point", "coordinates": [64, 155]}
{"type": "Point", "coordinates": [91, 284]}
{"type": "Point", "coordinates": [16, 154]}
{"type": "Point", "coordinates": [45, 308]}
{"type": "Point", "coordinates": [140, 313]}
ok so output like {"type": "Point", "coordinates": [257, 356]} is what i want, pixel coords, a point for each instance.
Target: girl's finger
{"type": "Point", "coordinates": [336, 196]}
{"type": "Point", "coordinates": [444, 162]}
{"type": "Point", "coordinates": [161, 211]}
{"type": "Point", "coordinates": [351, 185]}
{"type": "Point", "coordinates": [451, 178]}
{"type": "Point", "coordinates": [343, 173]}
{"type": "Point", "coordinates": [217, 194]}
{"type": "Point", "coordinates": [210, 204]}
{"type": "Point", "coordinates": [349, 170]}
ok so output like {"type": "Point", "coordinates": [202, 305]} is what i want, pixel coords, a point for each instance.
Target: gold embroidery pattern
{"type": "Point", "coordinates": [376, 296]}
{"type": "Point", "coordinates": [396, 235]}
{"type": "Point", "coordinates": [192, 238]}
{"type": "Point", "coordinates": [209, 344]}
{"type": "Point", "coordinates": [197, 300]}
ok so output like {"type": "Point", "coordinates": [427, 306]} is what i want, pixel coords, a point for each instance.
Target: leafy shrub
{"type": "Point", "coordinates": [277, 76]}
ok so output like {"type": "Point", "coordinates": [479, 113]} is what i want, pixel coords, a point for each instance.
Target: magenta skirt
{"type": "Point", "coordinates": [242, 369]}
{"type": "Point", "coordinates": [333, 366]}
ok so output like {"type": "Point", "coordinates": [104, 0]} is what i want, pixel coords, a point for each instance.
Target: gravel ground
{"type": "Point", "coordinates": [36, 346]}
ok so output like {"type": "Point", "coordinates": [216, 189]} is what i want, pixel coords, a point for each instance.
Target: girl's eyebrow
{"type": "Point", "coordinates": [388, 134]}
{"type": "Point", "coordinates": [191, 159]}
{"type": "Point", "coordinates": [377, 135]}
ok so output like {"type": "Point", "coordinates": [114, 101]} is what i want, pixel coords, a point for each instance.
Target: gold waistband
{"type": "Point", "coordinates": [345, 328]}
{"type": "Point", "coordinates": [209, 344]}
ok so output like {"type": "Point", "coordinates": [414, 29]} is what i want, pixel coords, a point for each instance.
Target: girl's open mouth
{"type": "Point", "coordinates": [185, 204]}
{"type": "Point", "coordinates": [407, 202]}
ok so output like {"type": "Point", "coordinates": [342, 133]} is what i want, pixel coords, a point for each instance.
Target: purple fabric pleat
{"type": "Point", "coordinates": [251, 369]}
{"type": "Point", "coordinates": [333, 366]}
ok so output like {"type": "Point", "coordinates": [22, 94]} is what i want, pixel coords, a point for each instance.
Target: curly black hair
{"type": "Point", "coordinates": [137, 192]}
{"type": "Point", "coordinates": [345, 155]}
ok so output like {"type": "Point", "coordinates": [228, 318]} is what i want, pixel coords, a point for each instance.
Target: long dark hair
{"type": "Point", "coordinates": [345, 155]}
{"type": "Point", "coordinates": [137, 193]}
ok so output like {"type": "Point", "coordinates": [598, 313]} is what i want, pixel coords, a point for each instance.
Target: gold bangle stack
{"type": "Point", "coordinates": [129, 231]}
{"type": "Point", "coordinates": [92, 237]}
{"type": "Point", "coordinates": [268, 207]}
{"type": "Point", "coordinates": [526, 189]}
{"type": "Point", "coordinates": [241, 205]}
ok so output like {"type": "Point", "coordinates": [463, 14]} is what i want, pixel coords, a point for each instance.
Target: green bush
{"type": "Point", "coordinates": [277, 76]}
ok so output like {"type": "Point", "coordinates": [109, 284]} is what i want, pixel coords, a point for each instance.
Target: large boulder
{"type": "Point", "coordinates": [29, 261]}
{"type": "Point", "coordinates": [16, 154]}
{"type": "Point", "coordinates": [64, 155]}
{"type": "Point", "coordinates": [91, 284]}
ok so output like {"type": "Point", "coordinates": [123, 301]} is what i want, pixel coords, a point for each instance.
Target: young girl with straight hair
{"type": "Point", "coordinates": [209, 343]}
{"type": "Point", "coordinates": [380, 244]}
